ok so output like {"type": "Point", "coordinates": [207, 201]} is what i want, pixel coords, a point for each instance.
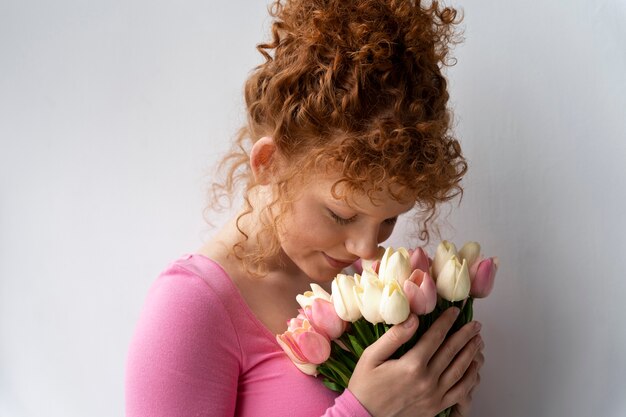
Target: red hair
{"type": "Point", "coordinates": [354, 84]}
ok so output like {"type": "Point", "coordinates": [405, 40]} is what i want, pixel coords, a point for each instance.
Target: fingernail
{"type": "Point", "coordinates": [456, 311]}
{"type": "Point", "coordinates": [409, 322]}
{"type": "Point", "coordinates": [477, 325]}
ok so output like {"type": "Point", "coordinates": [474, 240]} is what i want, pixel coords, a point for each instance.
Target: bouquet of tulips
{"type": "Point", "coordinates": [331, 331]}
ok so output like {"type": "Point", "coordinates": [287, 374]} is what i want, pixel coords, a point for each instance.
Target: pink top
{"type": "Point", "coordinates": [198, 350]}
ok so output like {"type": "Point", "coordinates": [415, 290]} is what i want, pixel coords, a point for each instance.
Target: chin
{"type": "Point", "coordinates": [319, 273]}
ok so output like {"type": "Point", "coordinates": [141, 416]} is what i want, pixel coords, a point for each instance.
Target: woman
{"type": "Point", "coordinates": [347, 129]}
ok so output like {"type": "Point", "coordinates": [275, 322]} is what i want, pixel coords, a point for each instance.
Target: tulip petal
{"type": "Point", "coordinates": [314, 346]}
{"type": "Point", "coordinates": [395, 269]}
{"type": "Point", "coordinates": [419, 260]}
{"type": "Point", "coordinates": [291, 348]}
{"type": "Point", "coordinates": [445, 251]}
{"type": "Point", "coordinates": [324, 319]}
{"type": "Point", "coordinates": [394, 307]}
{"type": "Point", "coordinates": [453, 282]}
{"type": "Point", "coordinates": [470, 252]}
{"type": "Point", "coordinates": [343, 298]}
{"type": "Point", "coordinates": [421, 292]}
{"type": "Point", "coordinates": [319, 292]}
{"type": "Point", "coordinates": [368, 295]}
{"type": "Point", "coordinates": [463, 283]}
{"type": "Point", "coordinates": [383, 263]}
{"type": "Point", "coordinates": [482, 284]}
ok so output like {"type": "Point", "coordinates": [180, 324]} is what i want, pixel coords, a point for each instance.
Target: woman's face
{"type": "Point", "coordinates": [322, 235]}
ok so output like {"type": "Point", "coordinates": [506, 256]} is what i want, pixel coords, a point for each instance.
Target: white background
{"type": "Point", "coordinates": [112, 115]}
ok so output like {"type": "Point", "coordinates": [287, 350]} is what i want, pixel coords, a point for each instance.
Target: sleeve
{"type": "Point", "coordinates": [347, 405]}
{"type": "Point", "coordinates": [184, 359]}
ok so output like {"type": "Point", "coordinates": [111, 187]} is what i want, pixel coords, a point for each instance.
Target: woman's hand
{"type": "Point", "coordinates": [435, 374]}
{"type": "Point", "coordinates": [463, 407]}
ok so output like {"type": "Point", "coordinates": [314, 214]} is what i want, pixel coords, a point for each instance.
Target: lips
{"type": "Point", "coordinates": [337, 263]}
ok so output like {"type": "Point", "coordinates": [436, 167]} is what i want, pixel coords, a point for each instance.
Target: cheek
{"type": "Point", "coordinates": [308, 229]}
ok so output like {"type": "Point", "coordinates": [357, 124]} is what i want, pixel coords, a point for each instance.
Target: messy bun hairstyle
{"type": "Point", "coordinates": [356, 85]}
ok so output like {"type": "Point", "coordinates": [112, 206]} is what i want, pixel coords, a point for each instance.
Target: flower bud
{"type": "Point", "coordinates": [368, 294]}
{"type": "Point", "coordinates": [307, 298]}
{"type": "Point", "coordinates": [394, 307]}
{"type": "Point", "coordinates": [421, 292]}
{"type": "Point", "coordinates": [444, 252]}
{"type": "Point", "coordinates": [484, 273]}
{"type": "Point", "coordinates": [395, 265]}
{"type": "Point", "coordinates": [343, 298]}
{"type": "Point", "coordinates": [305, 347]}
{"type": "Point", "coordinates": [419, 260]}
{"type": "Point", "coordinates": [470, 252]}
{"type": "Point", "coordinates": [453, 282]}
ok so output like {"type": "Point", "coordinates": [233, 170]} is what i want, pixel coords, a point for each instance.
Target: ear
{"type": "Point", "coordinates": [262, 156]}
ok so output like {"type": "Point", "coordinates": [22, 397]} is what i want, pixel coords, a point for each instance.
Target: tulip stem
{"type": "Point", "coordinates": [469, 310]}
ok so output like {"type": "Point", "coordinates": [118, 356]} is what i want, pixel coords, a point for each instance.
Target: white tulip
{"type": "Point", "coordinates": [395, 266]}
{"type": "Point", "coordinates": [343, 297]}
{"type": "Point", "coordinates": [453, 282]}
{"type": "Point", "coordinates": [368, 295]}
{"type": "Point", "coordinates": [470, 252]}
{"type": "Point", "coordinates": [394, 307]}
{"type": "Point", "coordinates": [445, 251]}
{"type": "Point", "coordinates": [307, 298]}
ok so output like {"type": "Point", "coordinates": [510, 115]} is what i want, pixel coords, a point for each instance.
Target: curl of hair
{"type": "Point", "coordinates": [357, 84]}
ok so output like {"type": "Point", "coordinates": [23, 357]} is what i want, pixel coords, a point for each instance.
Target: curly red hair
{"type": "Point", "coordinates": [356, 84]}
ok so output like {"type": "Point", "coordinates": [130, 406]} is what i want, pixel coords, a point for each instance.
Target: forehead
{"type": "Point", "coordinates": [380, 202]}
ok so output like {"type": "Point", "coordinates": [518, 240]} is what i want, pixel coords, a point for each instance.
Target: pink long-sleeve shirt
{"type": "Point", "coordinates": [198, 350]}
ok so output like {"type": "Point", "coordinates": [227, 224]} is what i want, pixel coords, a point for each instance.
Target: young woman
{"type": "Point", "coordinates": [347, 129]}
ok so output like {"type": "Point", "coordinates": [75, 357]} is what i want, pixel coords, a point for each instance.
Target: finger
{"type": "Point", "coordinates": [479, 359]}
{"type": "Point", "coordinates": [428, 344]}
{"type": "Point", "coordinates": [464, 387]}
{"type": "Point", "coordinates": [462, 408]}
{"type": "Point", "coordinates": [461, 363]}
{"type": "Point", "coordinates": [452, 346]}
{"type": "Point", "coordinates": [387, 344]}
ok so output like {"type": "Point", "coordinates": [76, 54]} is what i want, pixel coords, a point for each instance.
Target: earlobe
{"type": "Point", "coordinates": [261, 158]}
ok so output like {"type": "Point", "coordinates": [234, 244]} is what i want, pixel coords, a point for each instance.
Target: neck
{"type": "Point", "coordinates": [230, 235]}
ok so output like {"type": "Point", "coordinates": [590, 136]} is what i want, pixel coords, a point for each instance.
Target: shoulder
{"type": "Point", "coordinates": [184, 345]}
{"type": "Point", "coordinates": [194, 288]}
{"type": "Point", "coordinates": [188, 305]}
{"type": "Point", "coordinates": [185, 322]}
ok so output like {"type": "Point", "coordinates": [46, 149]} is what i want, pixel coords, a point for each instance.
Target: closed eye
{"type": "Point", "coordinates": [343, 221]}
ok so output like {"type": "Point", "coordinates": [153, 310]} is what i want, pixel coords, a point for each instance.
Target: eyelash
{"type": "Point", "coordinates": [343, 222]}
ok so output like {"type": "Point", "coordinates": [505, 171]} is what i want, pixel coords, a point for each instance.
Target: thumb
{"type": "Point", "coordinates": [383, 348]}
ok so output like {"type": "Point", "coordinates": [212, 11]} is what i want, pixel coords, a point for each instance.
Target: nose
{"type": "Point", "coordinates": [363, 244]}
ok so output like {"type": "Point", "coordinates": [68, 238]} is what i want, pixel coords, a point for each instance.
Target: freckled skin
{"type": "Point", "coordinates": [310, 230]}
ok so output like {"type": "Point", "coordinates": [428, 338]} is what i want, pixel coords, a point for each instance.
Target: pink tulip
{"type": "Point", "coordinates": [483, 274]}
{"type": "Point", "coordinates": [324, 318]}
{"type": "Point", "coordinates": [296, 322]}
{"type": "Point", "coordinates": [304, 346]}
{"type": "Point", "coordinates": [421, 291]}
{"type": "Point", "coordinates": [419, 260]}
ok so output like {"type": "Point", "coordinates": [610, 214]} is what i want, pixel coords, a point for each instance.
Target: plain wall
{"type": "Point", "coordinates": [112, 115]}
